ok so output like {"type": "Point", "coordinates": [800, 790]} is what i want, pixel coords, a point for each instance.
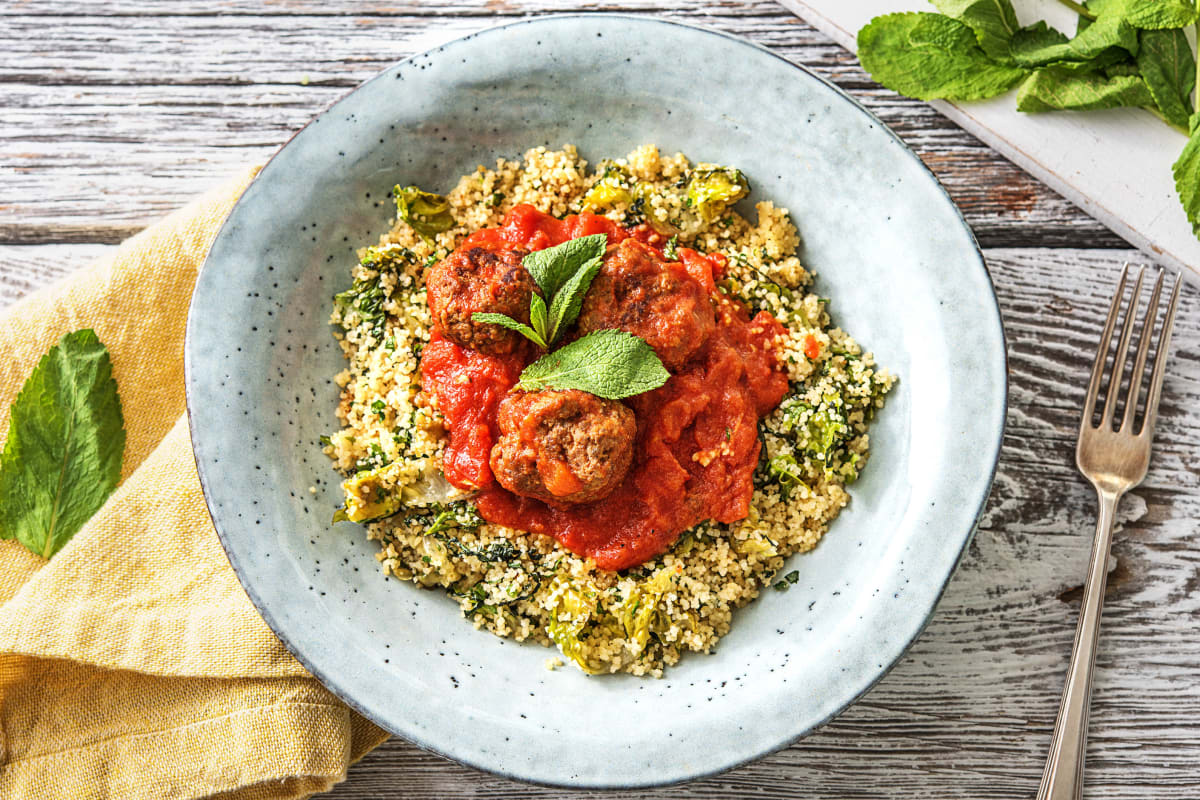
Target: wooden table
{"type": "Point", "coordinates": [115, 112]}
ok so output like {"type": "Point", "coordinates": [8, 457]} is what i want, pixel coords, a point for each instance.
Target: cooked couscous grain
{"type": "Point", "coordinates": [527, 586]}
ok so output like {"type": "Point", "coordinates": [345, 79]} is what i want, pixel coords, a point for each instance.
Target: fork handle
{"type": "Point", "coordinates": [1063, 778]}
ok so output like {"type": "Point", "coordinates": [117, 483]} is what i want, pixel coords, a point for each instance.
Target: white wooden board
{"type": "Point", "coordinates": [1114, 164]}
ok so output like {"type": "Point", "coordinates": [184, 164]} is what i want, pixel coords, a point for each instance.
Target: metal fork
{"type": "Point", "coordinates": [1114, 461]}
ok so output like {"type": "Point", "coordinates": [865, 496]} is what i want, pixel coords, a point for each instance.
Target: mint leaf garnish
{"type": "Point", "coordinates": [608, 363]}
{"type": "Point", "coordinates": [928, 56]}
{"type": "Point", "coordinates": [512, 324]}
{"type": "Point", "coordinates": [554, 266]}
{"type": "Point", "coordinates": [539, 318]}
{"type": "Point", "coordinates": [66, 439]}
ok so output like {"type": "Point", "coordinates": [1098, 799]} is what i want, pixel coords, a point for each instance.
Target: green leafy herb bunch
{"type": "Point", "coordinates": [1124, 53]}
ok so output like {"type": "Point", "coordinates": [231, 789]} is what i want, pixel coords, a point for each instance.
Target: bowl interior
{"type": "Point", "coordinates": [888, 247]}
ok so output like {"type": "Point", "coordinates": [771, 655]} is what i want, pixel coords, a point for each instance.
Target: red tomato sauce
{"type": "Point", "coordinates": [697, 442]}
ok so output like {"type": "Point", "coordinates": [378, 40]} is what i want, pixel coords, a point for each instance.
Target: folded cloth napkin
{"type": "Point", "coordinates": [132, 664]}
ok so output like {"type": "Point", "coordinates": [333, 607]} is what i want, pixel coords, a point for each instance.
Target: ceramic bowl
{"type": "Point", "coordinates": [888, 246]}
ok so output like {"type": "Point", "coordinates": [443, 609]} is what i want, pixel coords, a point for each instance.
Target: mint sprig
{"type": "Point", "coordinates": [608, 363]}
{"type": "Point", "coordinates": [66, 439]}
{"type": "Point", "coordinates": [563, 273]}
{"type": "Point", "coordinates": [1125, 53]}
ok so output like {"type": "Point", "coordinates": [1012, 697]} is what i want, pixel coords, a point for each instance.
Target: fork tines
{"type": "Point", "coordinates": [1129, 306]}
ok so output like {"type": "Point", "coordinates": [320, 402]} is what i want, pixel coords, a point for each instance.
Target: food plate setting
{"type": "Point", "coordinates": [272, 397]}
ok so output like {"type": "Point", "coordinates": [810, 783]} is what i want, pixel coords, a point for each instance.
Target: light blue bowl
{"type": "Point", "coordinates": [888, 246]}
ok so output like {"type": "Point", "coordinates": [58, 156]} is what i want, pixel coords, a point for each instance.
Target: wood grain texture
{"type": "Point", "coordinates": [118, 111]}
{"type": "Point", "coordinates": [110, 120]}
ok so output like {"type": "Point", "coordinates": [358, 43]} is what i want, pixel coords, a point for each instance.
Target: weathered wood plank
{"type": "Point", "coordinates": [93, 148]}
{"type": "Point", "coordinates": [437, 9]}
{"type": "Point", "coordinates": [109, 123]}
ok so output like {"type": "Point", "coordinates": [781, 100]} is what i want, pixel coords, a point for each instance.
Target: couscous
{"type": "Point", "coordinates": [626, 604]}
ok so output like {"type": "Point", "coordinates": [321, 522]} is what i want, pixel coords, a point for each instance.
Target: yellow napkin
{"type": "Point", "coordinates": [132, 664]}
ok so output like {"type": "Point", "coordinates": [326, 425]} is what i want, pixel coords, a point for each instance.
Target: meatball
{"type": "Point", "coordinates": [480, 277]}
{"type": "Point", "coordinates": [638, 292]}
{"type": "Point", "coordinates": [562, 447]}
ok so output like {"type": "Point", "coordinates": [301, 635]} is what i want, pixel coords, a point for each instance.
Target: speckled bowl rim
{"type": "Point", "coordinates": [331, 682]}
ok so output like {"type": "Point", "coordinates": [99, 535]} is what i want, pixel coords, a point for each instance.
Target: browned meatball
{"type": "Point", "coordinates": [638, 292]}
{"type": "Point", "coordinates": [562, 447]}
{"type": "Point", "coordinates": [480, 277]}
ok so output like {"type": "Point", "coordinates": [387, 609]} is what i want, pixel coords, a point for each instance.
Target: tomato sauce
{"type": "Point", "coordinates": [697, 442]}
{"type": "Point", "coordinates": [469, 386]}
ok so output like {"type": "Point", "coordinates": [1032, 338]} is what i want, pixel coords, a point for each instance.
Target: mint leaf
{"type": "Point", "coordinates": [1122, 68]}
{"type": "Point", "coordinates": [564, 308]}
{"type": "Point", "coordinates": [929, 56]}
{"type": "Point", "coordinates": [1187, 175]}
{"type": "Point", "coordinates": [66, 438]}
{"type": "Point", "coordinates": [512, 324]}
{"type": "Point", "coordinates": [554, 266]}
{"type": "Point", "coordinates": [538, 319]}
{"type": "Point", "coordinates": [1039, 45]}
{"type": "Point", "coordinates": [1166, 62]}
{"type": "Point", "coordinates": [1052, 89]}
{"type": "Point", "coordinates": [994, 23]}
{"type": "Point", "coordinates": [1150, 14]}
{"type": "Point", "coordinates": [608, 363]}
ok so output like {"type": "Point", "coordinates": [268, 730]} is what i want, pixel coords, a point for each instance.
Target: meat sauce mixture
{"type": "Point", "coordinates": [614, 481]}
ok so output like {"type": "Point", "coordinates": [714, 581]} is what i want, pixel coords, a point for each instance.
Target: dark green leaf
{"type": "Point", "coordinates": [1187, 175]}
{"type": "Point", "coordinates": [66, 438]}
{"type": "Point", "coordinates": [993, 21]}
{"type": "Point", "coordinates": [554, 266]}
{"type": "Point", "coordinates": [564, 309]}
{"type": "Point", "coordinates": [428, 214]}
{"type": "Point", "coordinates": [1052, 89]}
{"type": "Point", "coordinates": [930, 56]}
{"type": "Point", "coordinates": [513, 325]}
{"type": "Point", "coordinates": [608, 363]}
{"type": "Point", "coordinates": [1169, 69]}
